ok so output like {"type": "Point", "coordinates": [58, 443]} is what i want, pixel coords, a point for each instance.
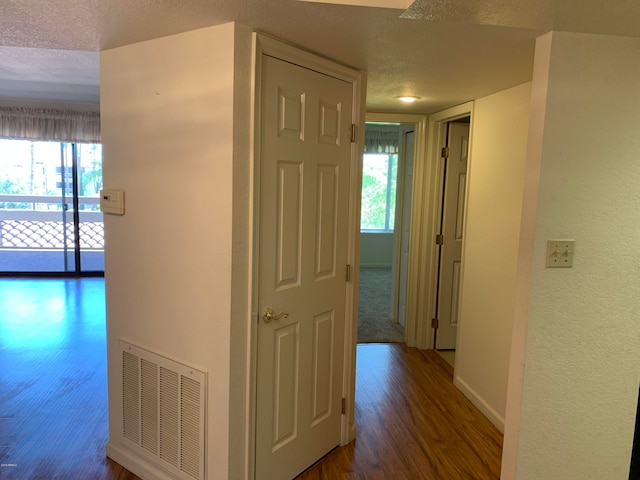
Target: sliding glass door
{"type": "Point", "coordinates": [50, 221]}
{"type": "Point", "coordinates": [90, 226]}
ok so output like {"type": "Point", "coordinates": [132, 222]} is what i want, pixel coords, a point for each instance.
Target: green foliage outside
{"type": "Point", "coordinates": [7, 187]}
{"type": "Point", "coordinates": [34, 168]}
{"type": "Point", "coordinates": [379, 179]}
{"type": "Point", "coordinates": [90, 158]}
{"type": "Point", "coordinates": [92, 178]}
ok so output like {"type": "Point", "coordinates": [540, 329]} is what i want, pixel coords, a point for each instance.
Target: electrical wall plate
{"type": "Point", "coordinates": [112, 201]}
{"type": "Point", "coordinates": [560, 253]}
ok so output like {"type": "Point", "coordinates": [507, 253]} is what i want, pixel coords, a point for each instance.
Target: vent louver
{"type": "Point", "coordinates": [163, 411]}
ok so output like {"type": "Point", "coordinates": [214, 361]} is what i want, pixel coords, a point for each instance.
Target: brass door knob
{"type": "Point", "coordinates": [269, 315]}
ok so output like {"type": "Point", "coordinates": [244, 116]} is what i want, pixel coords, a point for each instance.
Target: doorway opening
{"type": "Point", "coordinates": [387, 181]}
{"type": "Point", "coordinates": [50, 219]}
{"type": "Point", "coordinates": [453, 187]}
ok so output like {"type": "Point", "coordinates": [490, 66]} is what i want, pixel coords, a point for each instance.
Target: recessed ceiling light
{"type": "Point", "coordinates": [408, 98]}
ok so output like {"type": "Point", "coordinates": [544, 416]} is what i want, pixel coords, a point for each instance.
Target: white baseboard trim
{"type": "Point", "coordinates": [352, 433]}
{"type": "Point", "coordinates": [135, 464]}
{"type": "Point", "coordinates": [486, 409]}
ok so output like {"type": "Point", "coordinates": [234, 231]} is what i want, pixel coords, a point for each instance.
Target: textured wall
{"type": "Point", "coordinates": [581, 372]}
{"type": "Point", "coordinates": [496, 177]}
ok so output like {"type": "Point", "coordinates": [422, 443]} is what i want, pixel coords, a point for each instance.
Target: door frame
{"type": "Point", "coordinates": [442, 250]}
{"type": "Point", "coordinates": [266, 45]}
{"type": "Point", "coordinates": [419, 167]}
{"type": "Point", "coordinates": [428, 212]}
{"type": "Point", "coordinates": [403, 192]}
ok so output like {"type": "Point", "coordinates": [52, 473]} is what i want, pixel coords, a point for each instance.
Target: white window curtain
{"type": "Point", "coordinates": [378, 139]}
{"type": "Point", "coordinates": [44, 124]}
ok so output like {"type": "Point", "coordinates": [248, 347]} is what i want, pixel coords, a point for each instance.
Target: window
{"type": "Point", "coordinates": [379, 179]}
{"type": "Point", "coordinates": [50, 219]}
{"type": "Point", "coordinates": [50, 176]}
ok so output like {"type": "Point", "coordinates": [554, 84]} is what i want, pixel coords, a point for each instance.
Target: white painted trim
{"type": "Point", "coordinates": [429, 200]}
{"type": "Point", "coordinates": [395, 4]}
{"type": "Point", "coordinates": [414, 290]}
{"type": "Point", "coordinates": [136, 464]}
{"type": "Point", "coordinates": [266, 45]}
{"type": "Point", "coordinates": [353, 259]}
{"type": "Point", "coordinates": [254, 248]}
{"type": "Point", "coordinates": [297, 55]}
{"type": "Point", "coordinates": [396, 118]}
{"type": "Point", "coordinates": [486, 409]}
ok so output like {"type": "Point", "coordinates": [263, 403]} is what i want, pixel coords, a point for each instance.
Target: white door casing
{"type": "Point", "coordinates": [403, 212]}
{"type": "Point", "coordinates": [305, 168]}
{"type": "Point", "coordinates": [420, 263]}
{"type": "Point", "coordinates": [453, 211]}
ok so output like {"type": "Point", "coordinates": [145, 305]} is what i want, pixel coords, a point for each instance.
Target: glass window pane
{"type": "Point", "coordinates": [37, 231]}
{"type": "Point", "coordinates": [32, 227]}
{"type": "Point", "coordinates": [91, 225]}
{"type": "Point", "coordinates": [374, 192]}
{"type": "Point", "coordinates": [392, 191]}
{"type": "Point", "coordinates": [379, 183]}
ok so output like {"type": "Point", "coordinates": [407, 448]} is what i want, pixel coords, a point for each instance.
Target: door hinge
{"type": "Point", "coordinates": [440, 239]}
{"type": "Point", "coordinates": [434, 323]}
{"type": "Point", "coordinates": [354, 133]}
{"type": "Point", "coordinates": [445, 152]}
{"type": "Point", "coordinates": [348, 275]}
{"type": "Point", "coordinates": [344, 406]}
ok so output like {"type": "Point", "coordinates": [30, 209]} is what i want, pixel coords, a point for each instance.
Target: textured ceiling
{"type": "Point", "coordinates": [447, 52]}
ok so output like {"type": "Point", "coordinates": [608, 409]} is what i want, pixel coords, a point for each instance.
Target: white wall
{"type": "Point", "coordinates": [376, 249]}
{"type": "Point", "coordinates": [241, 254]}
{"type": "Point", "coordinates": [168, 122]}
{"type": "Point", "coordinates": [494, 202]}
{"type": "Point", "coordinates": [581, 375]}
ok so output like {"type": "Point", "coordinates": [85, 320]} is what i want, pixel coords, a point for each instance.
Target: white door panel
{"type": "Point", "coordinates": [452, 229]}
{"type": "Point", "coordinates": [304, 189]}
{"type": "Point", "coordinates": [405, 213]}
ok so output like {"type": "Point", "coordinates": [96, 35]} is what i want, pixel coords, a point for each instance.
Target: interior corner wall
{"type": "Point", "coordinates": [523, 276]}
{"type": "Point", "coordinates": [167, 109]}
{"type": "Point", "coordinates": [581, 376]}
{"type": "Point", "coordinates": [376, 249]}
{"type": "Point", "coordinates": [241, 279]}
{"type": "Point", "coordinates": [494, 202]}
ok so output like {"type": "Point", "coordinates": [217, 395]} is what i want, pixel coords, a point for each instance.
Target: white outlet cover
{"type": "Point", "coordinates": [560, 253]}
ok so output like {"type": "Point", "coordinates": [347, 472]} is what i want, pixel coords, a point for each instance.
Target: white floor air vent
{"type": "Point", "coordinates": [163, 411]}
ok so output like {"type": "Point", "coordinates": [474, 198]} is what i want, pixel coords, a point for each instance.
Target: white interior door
{"type": "Point", "coordinates": [304, 190]}
{"type": "Point", "coordinates": [452, 229]}
{"type": "Point", "coordinates": [405, 215]}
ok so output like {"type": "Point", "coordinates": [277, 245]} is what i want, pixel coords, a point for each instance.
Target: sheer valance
{"type": "Point", "coordinates": [379, 140]}
{"type": "Point", "coordinates": [43, 124]}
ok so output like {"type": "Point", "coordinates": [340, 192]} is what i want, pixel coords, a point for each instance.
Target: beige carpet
{"type": "Point", "coordinates": [374, 308]}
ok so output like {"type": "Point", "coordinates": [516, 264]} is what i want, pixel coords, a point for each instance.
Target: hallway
{"type": "Point", "coordinates": [412, 422]}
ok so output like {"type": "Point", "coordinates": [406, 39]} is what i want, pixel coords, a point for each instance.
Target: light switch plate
{"type": "Point", "coordinates": [560, 253]}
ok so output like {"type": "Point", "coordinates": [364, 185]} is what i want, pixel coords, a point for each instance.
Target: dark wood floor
{"type": "Point", "coordinates": [412, 422]}
{"type": "Point", "coordinates": [53, 381]}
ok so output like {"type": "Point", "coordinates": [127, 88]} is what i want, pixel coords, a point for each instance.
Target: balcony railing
{"type": "Point", "coordinates": [37, 227]}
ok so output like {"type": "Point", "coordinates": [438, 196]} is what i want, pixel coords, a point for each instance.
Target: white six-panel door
{"type": "Point", "coordinates": [305, 156]}
{"type": "Point", "coordinates": [452, 230]}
